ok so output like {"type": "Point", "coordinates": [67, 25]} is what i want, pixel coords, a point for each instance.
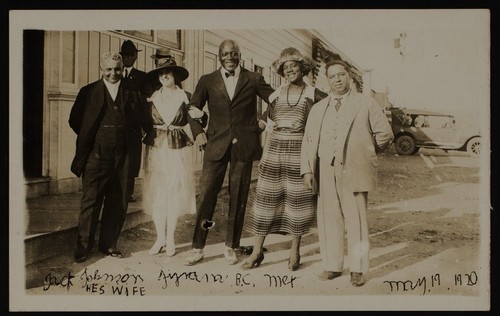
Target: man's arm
{"type": "Point", "coordinates": [76, 114]}
{"type": "Point", "coordinates": [264, 90]}
{"type": "Point", "coordinates": [381, 129]}
{"type": "Point", "coordinates": [198, 101]}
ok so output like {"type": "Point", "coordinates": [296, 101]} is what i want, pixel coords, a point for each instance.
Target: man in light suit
{"type": "Point", "coordinates": [134, 78]}
{"type": "Point", "coordinates": [232, 137]}
{"type": "Point", "coordinates": [107, 117]}
{"type": "Point", "coordinates": [343, 134]}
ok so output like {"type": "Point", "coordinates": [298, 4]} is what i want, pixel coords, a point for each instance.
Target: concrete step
{"type": "Point", "coordinates": [51, 221]}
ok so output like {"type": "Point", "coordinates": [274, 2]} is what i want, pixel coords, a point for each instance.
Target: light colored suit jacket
{"type": "Point", "coordinates": [364, 132]}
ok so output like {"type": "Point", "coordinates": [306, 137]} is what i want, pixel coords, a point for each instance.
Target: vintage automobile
{"type": "Point", "coordinates": [414, 129]}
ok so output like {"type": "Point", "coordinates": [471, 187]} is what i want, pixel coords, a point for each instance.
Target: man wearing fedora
{"type": "Point", "coordinates": [108, 117]}
{"type": "Point", "coordinates": [232, 137]}
{"type": "Point", "coordinates": [134, 78]}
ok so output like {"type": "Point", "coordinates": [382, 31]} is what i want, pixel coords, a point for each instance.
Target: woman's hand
{"type": "Point", "coordinates": [201, 139]}
{"type": "Point", "coordinates": [195, 113]}
{"type": "Point", "coordinates": [308, 181]}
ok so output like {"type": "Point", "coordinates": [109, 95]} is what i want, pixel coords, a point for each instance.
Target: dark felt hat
{"type": "Point", "coordinates": [128, 48]}
{"type": "Point", "coordinates": [168, 64]}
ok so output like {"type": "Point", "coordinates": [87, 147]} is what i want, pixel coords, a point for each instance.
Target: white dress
{"type": "Point", "coordinates": [169, 181]}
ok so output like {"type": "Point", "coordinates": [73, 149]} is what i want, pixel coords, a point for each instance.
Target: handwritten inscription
{"type": "Point", "coordinates": [426, 283]}
{"type": "Point", "coordinates": [239, 279]}
{"type": "Point", "coordinates": [64, 281]}
{"type": "Point", "coordinates": [190, 276]}
{"type": "Point", "coordinates": [124, 284]}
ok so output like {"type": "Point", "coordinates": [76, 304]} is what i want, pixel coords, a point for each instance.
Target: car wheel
{"type": "Point", "coordinates": [474, 146]}
{"type": "Point", "coordinates": [405, 145]}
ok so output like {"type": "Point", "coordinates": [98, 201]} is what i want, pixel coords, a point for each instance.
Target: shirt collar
{"type": "Point", "coordinates": [237, 71]}
{"type": "Point", "coordinates": [343, 96]}
{"type": "Point", "coordinates": [112, 86]}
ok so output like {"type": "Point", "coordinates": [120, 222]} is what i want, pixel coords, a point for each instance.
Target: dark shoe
{"type": "Point", "coordinates": [132, 198]}
{"type": "Point", "coordinates": [80, 255]}
{"type": "Point", "coordinates": [357, 279]}
{"type": "Point", "coordinates": [248, 250]}
{"type": "Point", "coordinates": [112, 252]}
{"type": "Point", "coordinates": [293, 264]}
{"type": "Point", "coordinates": [329, 275]}
{"type": "Point", "coordinates": [250, 264]}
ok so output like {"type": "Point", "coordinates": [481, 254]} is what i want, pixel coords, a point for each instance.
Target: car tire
{"type": "Point", "coordinates": [474, 146]}
{"type": "Point", "coordinates": [405, 145]}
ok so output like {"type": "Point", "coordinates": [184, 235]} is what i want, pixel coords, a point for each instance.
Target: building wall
{"type": "Point", "coordinates": [72, 61]}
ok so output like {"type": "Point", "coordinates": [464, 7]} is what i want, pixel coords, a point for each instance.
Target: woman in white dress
{"type": "Point", "coordinates": [169, 183]}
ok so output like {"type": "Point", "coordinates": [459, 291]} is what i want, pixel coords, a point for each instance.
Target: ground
{"type": "Point", "coordinates": [426, 217]}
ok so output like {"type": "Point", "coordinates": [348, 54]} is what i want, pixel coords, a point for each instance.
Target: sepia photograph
{"type": "Point", "coordinates": [249, 160]}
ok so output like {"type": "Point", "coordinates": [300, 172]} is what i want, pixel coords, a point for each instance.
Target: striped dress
{"type": "Point", "coordinates": [281, 203]}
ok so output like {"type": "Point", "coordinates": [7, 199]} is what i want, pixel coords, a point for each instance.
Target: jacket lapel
{"type": "Point", "coordinates": [124, 96]}
{"type": "Point", "coordinates": [221, 86]}
{"type": "Point", "coordinates": [352, 105]}
{"type": "Point", "coordinates": [242, 81]}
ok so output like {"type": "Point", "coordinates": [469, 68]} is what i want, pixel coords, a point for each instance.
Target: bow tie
{"type": "Point", "coordinates": [229, 73]}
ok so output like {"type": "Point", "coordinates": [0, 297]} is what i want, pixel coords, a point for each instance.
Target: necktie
{"type": "Point", "coordinates": [126, 73]}
{"type": "Point", "coordinates": [229, 73]}
{"type": "Point", "coordinates": [338, 104]}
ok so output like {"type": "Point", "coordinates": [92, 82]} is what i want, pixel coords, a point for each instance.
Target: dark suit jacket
{"type": "Point", "coordinates": [232, 121]}
{"type": "Point", "coordinates": [86, 114]}
{"type": "Point", "coordinates": [135, 80]}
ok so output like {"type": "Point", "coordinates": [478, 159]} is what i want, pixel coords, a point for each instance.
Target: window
{"type": "Point", "coordinates": [171, 38]}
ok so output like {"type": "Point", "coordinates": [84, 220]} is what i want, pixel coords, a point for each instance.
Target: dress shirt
{"type": "Point", "coordinates": [230, 81]}
{"type": "Point", "coordinates": [126, 71]}
{"type": "Point", "coordinates": [112, 88]}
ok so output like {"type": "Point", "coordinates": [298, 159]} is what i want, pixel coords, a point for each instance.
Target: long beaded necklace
{"type": "Point", "coordinates": [301, 92]}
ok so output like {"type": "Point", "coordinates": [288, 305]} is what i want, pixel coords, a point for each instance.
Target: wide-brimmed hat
{"type": "Point", "coordinates": [161, 53]}
{"type": "Point", "coordinates": [293, 54]}
{"type": "Point", "coordinates": [128, 48]}
{"type": "Point", "coordinates": [170, 65]}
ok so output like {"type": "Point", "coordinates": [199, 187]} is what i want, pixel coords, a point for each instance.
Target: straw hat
{"type": "Point", "coordinates": [293, 54]}
{"type": "Point", "coordinates": [161, 53]}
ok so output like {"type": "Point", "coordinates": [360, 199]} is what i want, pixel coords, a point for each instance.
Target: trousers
{"type": "Point", "coordinates": [211, 180]}
{"type": "Point", "coordinates": [104, 188]}
{"type": "Point", "coordinates": [341, 212]}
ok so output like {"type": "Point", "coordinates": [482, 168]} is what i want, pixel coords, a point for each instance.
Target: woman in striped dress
{"type": "Point", "coordinates": [282, 205]}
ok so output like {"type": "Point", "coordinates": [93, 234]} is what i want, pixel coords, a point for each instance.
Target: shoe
{"type": "Point", "coordinates": [112, 252]}
{"type": "Point", "coordinates": [132, 198]}
{"type": "Point", "coordinates": [195, 256]}
{"type": "Point", "coordinates": [329, 275]}
{"type": "Point", "coordinates": [171, 252]}
{"type": "Point", "coordinates": [248, 250]}
{"type": "Point", "coordinates": [230, 255]}
{"type": "Point", "coordinates": [250, 264]}
{"type": "Point", "coordinates": [80, 256]}
{"type": "Point", "coordinates": [157, 248]}
{"type": "Point", "coordinates": [357, 279]}
{"type": "Point", "coordinates": [170, 249]}
{"type": "Point", "coordinates": [293, 265]}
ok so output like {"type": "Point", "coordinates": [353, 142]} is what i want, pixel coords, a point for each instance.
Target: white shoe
{"type": "Point", "coordinates": [195, 256]}
{"type": "Point", "coordinates": [158, 247]}
{"type": "Point", "coordinates": [230, 255]}
{"type": "Point", "coordinates": [170, 249]}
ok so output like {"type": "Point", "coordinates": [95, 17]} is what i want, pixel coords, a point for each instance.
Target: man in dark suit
{"type": "Point", "coordinates": [135, 79]}
{"type": "Point", "coordinates": [107, 117]}
{"type": "Point", "coordinates": [233, 136]}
